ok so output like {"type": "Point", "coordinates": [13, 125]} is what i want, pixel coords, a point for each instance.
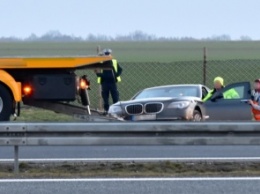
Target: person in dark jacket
{"type": "Point", "coordinates": [108, 80]}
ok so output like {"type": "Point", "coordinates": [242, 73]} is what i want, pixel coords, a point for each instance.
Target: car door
{"type": "Point", "coordinates": [220, 109]}
{"type": "Point", "coordinates": [204, 92]}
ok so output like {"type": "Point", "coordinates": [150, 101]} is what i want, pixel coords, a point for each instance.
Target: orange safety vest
{"type": "Point", "coordinates": [256, 113]}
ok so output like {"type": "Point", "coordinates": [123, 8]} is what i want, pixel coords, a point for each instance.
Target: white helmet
{"type": "Point", "coordinates": [107, 51]}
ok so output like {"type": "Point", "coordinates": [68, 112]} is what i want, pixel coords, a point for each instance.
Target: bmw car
{"type": "Point", "coordinates": [171, 102]}
{"type": "Point", "coordinates": [184, 102]}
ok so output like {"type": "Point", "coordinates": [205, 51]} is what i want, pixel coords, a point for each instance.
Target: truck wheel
{"type": "Point", "coordinates": [197, 116]}
{"type": "Point", "coordinates": [6, 104]}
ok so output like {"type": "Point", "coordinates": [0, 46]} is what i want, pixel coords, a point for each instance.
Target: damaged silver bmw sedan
{"type": "Point", "coordinates": [171, 102]}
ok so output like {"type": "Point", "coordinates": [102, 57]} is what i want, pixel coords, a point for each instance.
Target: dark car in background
{"type": "Point", "coordinates": [171, 102]}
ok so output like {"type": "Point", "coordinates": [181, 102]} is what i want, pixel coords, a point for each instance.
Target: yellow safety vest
{"type": "Point", "coordinates": [118, 78]}
{"type": "Point", "coordinates": [230, 94]}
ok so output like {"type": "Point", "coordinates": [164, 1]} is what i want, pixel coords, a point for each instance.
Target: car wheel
{"type": "Point", "coordinates": [197, 116]}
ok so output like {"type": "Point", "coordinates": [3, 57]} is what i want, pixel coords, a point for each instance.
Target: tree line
{"type": "Point", "coordinates": [134, 36]}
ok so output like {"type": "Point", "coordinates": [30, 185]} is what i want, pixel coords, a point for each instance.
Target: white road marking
{"type": "Point", "coordinates": [133, 159]}
{"type": "Point", "coordinates": [132, 179]}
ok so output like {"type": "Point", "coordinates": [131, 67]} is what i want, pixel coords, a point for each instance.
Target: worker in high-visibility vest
{"type": "Point", "coordinates": [218, 85]}
{"type": "Point", "coordinates": [108, 80]}
{"type": "Point", "coordinates": [255, 102]}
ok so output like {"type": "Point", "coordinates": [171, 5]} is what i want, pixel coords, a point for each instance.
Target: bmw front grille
{"type": "Point", "coordinates": [134, 109]}
{"type": "Point", "coordinates": [153, 108]}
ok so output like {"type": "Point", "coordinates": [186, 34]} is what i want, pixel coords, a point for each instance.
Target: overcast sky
{"type": "Point", "coordinates": [175, 18]}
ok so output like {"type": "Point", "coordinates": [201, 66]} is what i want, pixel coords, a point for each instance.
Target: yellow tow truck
{"type": "Point", "coordinates": [46, 82]}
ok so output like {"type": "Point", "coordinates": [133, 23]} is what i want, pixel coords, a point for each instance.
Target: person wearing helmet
{"type": "Point", "coordinates": [255, 102]}
{"type": "Point", "coordinates": [108, 80]}
{"type": "Point", "coordinates": [218, 85]}
{"type": "Point", "coordinates": [107, 52]}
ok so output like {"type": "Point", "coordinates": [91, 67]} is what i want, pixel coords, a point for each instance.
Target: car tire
{"type": "Point", "coordinates": [6, 104]}
{"type": "Point", "coordinates": [197, 117]}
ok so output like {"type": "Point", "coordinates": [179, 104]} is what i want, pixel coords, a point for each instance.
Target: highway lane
{"type": "Point", "coordinates": [132, 186]}
{"type": "Point", "coordinates": [131, 152]}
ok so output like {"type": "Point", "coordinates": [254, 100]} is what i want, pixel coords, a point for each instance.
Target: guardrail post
{"type": "Point", "coordinates": [16, 159]}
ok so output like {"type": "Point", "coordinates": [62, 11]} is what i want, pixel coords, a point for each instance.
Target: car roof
{"type": "Point", "coordinates": [175, 85]}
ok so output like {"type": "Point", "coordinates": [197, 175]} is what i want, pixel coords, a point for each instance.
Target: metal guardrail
{"type": "Point", "coordinates": [127, 133]}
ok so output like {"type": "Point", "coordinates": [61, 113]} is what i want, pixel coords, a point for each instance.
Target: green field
{"type": "Point", "coordinates": [139, 51]}
{"type": "Point", "coordinates": [150, 64]}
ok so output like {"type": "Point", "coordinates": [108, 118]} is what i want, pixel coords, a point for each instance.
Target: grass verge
{"type": "Point", "coordinates": [31, 114]}
{"type": "Point", "coordinates": [132, 169]}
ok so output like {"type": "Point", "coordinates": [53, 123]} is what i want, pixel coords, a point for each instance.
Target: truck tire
{"type": "Point", "coordinates": [6, 104]}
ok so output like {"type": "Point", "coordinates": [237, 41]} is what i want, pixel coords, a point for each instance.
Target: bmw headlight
{"type": "Point", "coordinates": [114, 109]}
{"type": "Point", "coordinates": [180, 104]}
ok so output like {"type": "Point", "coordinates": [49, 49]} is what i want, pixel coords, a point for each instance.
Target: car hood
{"type": "Point", "coordinates": [160, 99]}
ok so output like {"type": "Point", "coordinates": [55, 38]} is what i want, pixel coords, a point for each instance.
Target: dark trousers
{"type": "Point", "coordinates": [109, 88]}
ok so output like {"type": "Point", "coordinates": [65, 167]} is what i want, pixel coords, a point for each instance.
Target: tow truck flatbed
{"type": "Point", "coordinates": [47, 82]}
{"type": "Point", "coordinates": [51, 62]}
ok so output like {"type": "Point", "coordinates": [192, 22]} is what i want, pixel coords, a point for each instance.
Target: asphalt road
{"type": "Point", "coordinates": [132, 152]}
{"type": "Point", "coordinates": [132, 186]}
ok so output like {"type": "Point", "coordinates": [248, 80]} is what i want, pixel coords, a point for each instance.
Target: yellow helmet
{"type": "Point", "coordinates": [220, 80]}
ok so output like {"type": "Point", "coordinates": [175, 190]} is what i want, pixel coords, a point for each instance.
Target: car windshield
{"type": "Point", "coordinates": [171, 91]}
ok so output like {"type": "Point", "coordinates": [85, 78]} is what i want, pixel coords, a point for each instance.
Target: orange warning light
{"type": "Point", "coordinates": [83, 84]}
{"type": "Point", "coordinates": [27, 90]}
